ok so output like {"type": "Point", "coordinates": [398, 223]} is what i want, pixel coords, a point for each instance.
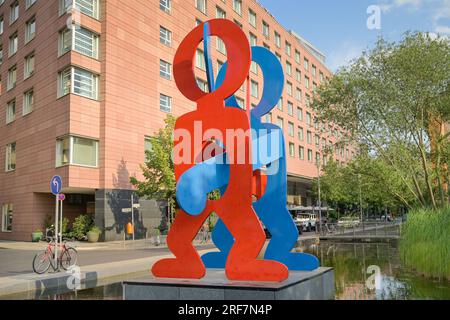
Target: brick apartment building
{"type": "Point", "coordinates": [81, 102]}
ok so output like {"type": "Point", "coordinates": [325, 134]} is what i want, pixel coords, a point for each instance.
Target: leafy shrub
{"type": "Point", "coordinates": [81, 226]}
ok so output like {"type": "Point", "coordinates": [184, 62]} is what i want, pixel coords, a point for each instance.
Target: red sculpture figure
{"type": "Point", "coordinates": [235, 205]}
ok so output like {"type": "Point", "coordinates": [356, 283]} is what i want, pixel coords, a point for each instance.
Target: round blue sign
{"type": "Point", "coordinates": [56, 185]}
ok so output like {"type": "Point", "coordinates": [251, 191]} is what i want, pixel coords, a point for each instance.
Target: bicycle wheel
{"type": "Point", "coordinates": [69, 258]}
{"type": "Point", "coordinates": [41, 262]}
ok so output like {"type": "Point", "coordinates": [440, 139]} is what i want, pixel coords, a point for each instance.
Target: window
{"type": "Point", "coordinates": [30, 31]}
{"type": "Point", "coordinates": [299, 114]}
{"type": "Point", "coordinates": [298, 75]}
{"type": "Point", "coordinates": [306, 82]}
{"type": "Point", "coordinates": [291, 149]}
{"type": "Point", "coordinates": [300, 134]}
{"type": "Point", "coordinates": [237, 6]}
{"type": "Point", "coordinates": [29, 66]}
{"type": "Point", "coordinates": [254, 89]}
{"type": "Point", "coordinates": [306, 64]}
{"type": "Point", "coordinates": [14, 12]}
{"type": "Point", "coordinates": [29, 3]}
{"type": "Point", "coordinates": [314, 71]}
{"type": "Point", "coordinates": [1, 54]}
{"type": "Point", "coordinates": [10, 164]}
{"type": "Point", "coordinates": [11, 111]}
{"type": "Point", "coordinates": [290, 129]}
{"type": "Point", "coordinates": [321, 76]}
{"type": "Point", "coordinates": [308, 119]}
{"type": "Point", "coordinates": [237, 23]}
{"type": "Point", "coordinates": [2, 25]}
{"type": "Point", "coordinates": [280, 104]}
{"type": "Point", "coordinates": [78, 81]}
{"type": "Point", "coordinates": [288, 48]}
{"type": "Point", "coordinates": [266, 29]}
{"type": "Point", "coordinates": [201, 5]}
{"type": "Point", "coordinates": [290, 108]}
{"type": "Point", "coordinates": [28, 102]}
{"type": "Point", "coordinates": [301, 153]}
{"type": "Point", "coordinates": [221, 46]}
{"type": "Point", "coordinates": [165, 69]}
{"type": "Point", "coordinates": [297, 56]}
{"type": "Point", "coordinates": [148, 145]}
{"type": "Point", "coordinates": [220, 13]}
{"type": "Point", "coordinates": [254, 67]}
{"type": "Point", "coordinates": [309, 137]}
{"type": "Point", "coordinates": [277, 39]}
{"type": "Point", "coordinates": [13, 44]}
{"type": "Point", "coordinates": [308, 100]}
{"type": "Point", "coordinates": [7, 217]}
{"type": "Point", "coordinates": [165, 103]}
{"type": "Point", "coordinates": [269, 118]}
{"type": "Point", "coordinates": [241, 103]}
{"type": "Point", "coordinates": [12, 78]}
{"type": "Point", "coordinates": [280, 122]}
{"type": "Point", "coordinates": [85, 42]}
{"type": "Point", "coordinates": [252, 18]}
{"type": "Point", "coordinates": [165, 5]}
{"type": "Point", "coordinates": [317, 141]}
{"type": "Point", "coordinates": [317, 157]}
{"type": "Point", "coordinates": [253, 39]}
{"type": "Point", "coordinates": [200, 60]}
{"type": "Point", "coordinates": [310, 155]}
{"type": "Point", "coordinates": [202, 84]}
{"type": "Point", "coordinates": [87, 7]}
{"type": "Point", "coordinates": [278, 56]}
{"type": "Point", "coordinates": [78, 151]}
{"type": "Point", "coordinates": [165, 36]}
{"type": "Point", "coordinates": [65, 41]}
{"type": "Point", "coordinates": [289, 88]}
{"type": "Point", "coordinates": [298, 94]}
{"type": "Point", "coordinates": [314, 87]}
{"type": "Point", "coordinates": [288, 68]}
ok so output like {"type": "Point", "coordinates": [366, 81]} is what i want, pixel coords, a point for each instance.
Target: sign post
{"type": "Point", "coordinates": [131, 210]}
{"type": "Point", "coordinates": [55, 187]}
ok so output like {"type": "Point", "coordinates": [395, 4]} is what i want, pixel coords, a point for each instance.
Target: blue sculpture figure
{"type": "Point", "coordinates": [212, 174]}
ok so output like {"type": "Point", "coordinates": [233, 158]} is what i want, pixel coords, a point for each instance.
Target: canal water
{"type": "Point", "coordinates": [362, 272]}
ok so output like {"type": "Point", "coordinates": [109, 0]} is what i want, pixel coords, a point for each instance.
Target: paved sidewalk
{"type": "Point", "coordinates": [32, 286]}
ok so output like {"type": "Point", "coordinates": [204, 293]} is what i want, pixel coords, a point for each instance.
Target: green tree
{"type": "Point", "coordinates": [158, 170]}
{"type": "Point", "coordinates": [395, 100]}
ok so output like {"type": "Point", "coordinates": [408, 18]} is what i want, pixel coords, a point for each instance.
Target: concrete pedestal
{"type": "Point", "coordinates": [314, 285]}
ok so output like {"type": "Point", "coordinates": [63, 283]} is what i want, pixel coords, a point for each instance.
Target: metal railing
{"type": "Point", "coordinates": [359, 229]}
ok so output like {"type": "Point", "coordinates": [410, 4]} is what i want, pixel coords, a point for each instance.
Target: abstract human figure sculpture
{"type": "Point", "coordinates": [271, 204]}
{"type": "Point", "coordinates": [235, 206]}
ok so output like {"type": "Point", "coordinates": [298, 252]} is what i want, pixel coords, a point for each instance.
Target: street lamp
{"type": "Point", "coordinates": [318, 193]}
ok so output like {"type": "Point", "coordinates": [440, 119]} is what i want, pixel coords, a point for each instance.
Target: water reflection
{"type": "Point", "coordinates": [365, 271]}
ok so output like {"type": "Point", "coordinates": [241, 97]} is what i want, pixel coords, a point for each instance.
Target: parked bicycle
{"type": "Point", "coordinates": [67, 257]}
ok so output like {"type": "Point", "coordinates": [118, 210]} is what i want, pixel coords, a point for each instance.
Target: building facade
{"type": "Point", "coordinates": [83, 87]}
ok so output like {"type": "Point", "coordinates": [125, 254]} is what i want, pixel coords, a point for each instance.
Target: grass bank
{"type": "Point", "coordinates": [425, 243]}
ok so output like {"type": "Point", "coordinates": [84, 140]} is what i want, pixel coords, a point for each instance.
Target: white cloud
{"type": "Point", "coordinates": [442, 30]}
{"type": "Point", "coordinates": [343, 55]}
{"type": "Point", "coordinates": [412, 4]}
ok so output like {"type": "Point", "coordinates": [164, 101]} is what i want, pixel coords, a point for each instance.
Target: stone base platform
{"type": "Point", "coordinates": [314, 285]}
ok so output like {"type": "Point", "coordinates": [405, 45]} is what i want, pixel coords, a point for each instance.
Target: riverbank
{"type": "Point", "coordinates": [425, 243]}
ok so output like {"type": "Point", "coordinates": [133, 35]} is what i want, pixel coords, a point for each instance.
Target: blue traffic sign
{"type": "Point", "coordinates": [56, 185]}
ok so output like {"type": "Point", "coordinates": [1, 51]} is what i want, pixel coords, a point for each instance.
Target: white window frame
{"type": "Point", "coordinates": [252, 18]}
{"type": "Point", "coordinates": [29, 35]}
{"type": "Point", "coordinates": [165, 5]}
{"type": "Point", "coordinates": [8, 163]}
{"type": "Point", "coordinates": [71, 162]}
{"type": "Point", "coordinates": [11, 109]}
{"type": "Point", "coordinates": [167, 38]}
{"type": "Point", "coordinates": [13, 44]}
{"type": "Point", "coordinates": [10, 84]}
{"type": "Point", "coordinates": [7, 210]}
{"type": "Point", "coordinates": [237, 6]}
{"type": "Point", "coordinates": [202, 6]}
{"type": "Point", "coordinates": [28, 106]}
{"type": "Point", "coordinates": [165, 108]}
{"type": "Point", "coordinates": [27, 71]}
{"type": "Point", "coordinates": [14, 12]}
{"type": "Point", "coordinates": [165, 69]}
{"type": "Point", "coordinates": [69, 37]}
{"type": "Point", "coordinates": [63, 73]}
{"type": "Point", "coordinates": [69, 5]}
{"type": "Point", "coordinates": [29, 3]}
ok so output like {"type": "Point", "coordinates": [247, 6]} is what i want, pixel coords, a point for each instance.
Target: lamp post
{"type": "Point", "coordinates": [318, 194]}
{"type": "Point", "coordinates": [360, 200]}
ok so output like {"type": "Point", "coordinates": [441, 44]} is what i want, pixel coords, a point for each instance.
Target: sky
{"type": "Point", "coordinates": [339, 28]}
